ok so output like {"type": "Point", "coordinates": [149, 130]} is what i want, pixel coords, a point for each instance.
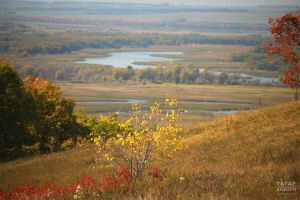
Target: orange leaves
{"type": "Point", "coordinates": [40, 86]}
{"type": "Point", "coordinates": [286, 34]}
{"type": "Point", "coordinates": [291, 76]}
{"type": "Point", "coordinates": [113, 181]}
{"type": "Point", "coordinates": [270, 20]}
{"type": "Point", "coordinates": [123, 174]}
{"type": "Point", "coordinates": [46, 94]}
{"type": "Point", "coordinates": [54, 114]}
{"type": "Point", "coordinates": [85, 187]}
{"type": "Point", "coordinates": [36, 81]}
{"type": "Point", "coordinates": [4, 62]}
{"type": "Point", "coordinates": [35, 114]}
{"type": "Point", "coordinates": [157, 172]}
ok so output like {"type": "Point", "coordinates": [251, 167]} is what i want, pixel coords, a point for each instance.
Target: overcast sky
{"type": "Point", "coordinates": [209, 2]}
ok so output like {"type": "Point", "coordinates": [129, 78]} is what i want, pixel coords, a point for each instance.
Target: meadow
{"type": "Point", "coordinates": [201, 101]}
{"type": "Point", "coordinates": [224, 158]}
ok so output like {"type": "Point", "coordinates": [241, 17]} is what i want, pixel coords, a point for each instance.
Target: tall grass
{"type": "Point", "coordinates": [240, 156]}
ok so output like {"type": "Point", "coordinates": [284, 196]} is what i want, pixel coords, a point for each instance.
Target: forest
{"type": "Point", "coordinates": [18, 39]}
{"type": "Point", "coordinates": [257, 59]}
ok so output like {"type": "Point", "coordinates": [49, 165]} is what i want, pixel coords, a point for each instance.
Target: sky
{"type": "Point", "coordinates": [208, 2]}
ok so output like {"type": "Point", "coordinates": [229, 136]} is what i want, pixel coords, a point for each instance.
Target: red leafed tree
{"type": "Point", "coordinates": [286, 33]}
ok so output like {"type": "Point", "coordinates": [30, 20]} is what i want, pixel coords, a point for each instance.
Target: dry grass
{"type": "Point", "coordinates": [62, 167]}
{"type": "Point", "coordinates": [240, 156]}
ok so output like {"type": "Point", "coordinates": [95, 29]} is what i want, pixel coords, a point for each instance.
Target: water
{"type": "Point", "coordinates": [114, 101]}
{"type": "Point", "coordinates": [215, 102]}
{"type": "Point", "coordinates": [247, 76]}
{"type": "Point", "coordinates": [124, 59]}
{"type": "Point", "coordinates": [227, 112]}
{"type": "Point", "coordinates": [261, 79]}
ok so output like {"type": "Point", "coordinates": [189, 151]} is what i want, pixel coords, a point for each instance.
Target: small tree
{"type": "Point", "coordinates": [144, 138]}
{"type": "Point", "coordinates": [286, 34]}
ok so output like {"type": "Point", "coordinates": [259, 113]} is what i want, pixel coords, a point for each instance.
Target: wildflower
{"type": "Point", "coordinates": [78, 188]}
{"type": "Point", "coordinates": [108, 182]}
{"type": "Point", "coordinates": [28, 191]}
{"type": "Point", "coordinates": [47, 190]}
{"type": "Point", "coordinates": [157, 172]}
{"type": "Point", "coordinates": [2, 194]}
{"type": "Point", "coordinates": [123, 174]}
{"type": "Point", "coordinates": [76, 196]}
{"type": "Point", "coordinates": [78, 193]}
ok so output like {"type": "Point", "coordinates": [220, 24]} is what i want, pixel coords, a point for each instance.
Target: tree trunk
{"type": "Point", "coordinates": [296, 93]}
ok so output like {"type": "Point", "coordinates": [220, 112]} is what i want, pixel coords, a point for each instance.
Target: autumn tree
{"type": "Point", "coordinates": [55, 121]}
{"type": "Point", "coordinates": [34, 117]}
{"type": "Point", "coordinates": [15, 112]}
{"type": "Point", "coordinates": [286, 33]}
{"type": "Point", "coordinates": [145, 138]}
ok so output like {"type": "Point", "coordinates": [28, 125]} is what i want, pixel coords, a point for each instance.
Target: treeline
{"type": "Point", "coordinates": [176, 73]}
{"type": "Point", "coordinates": [17, 41]}
{"type": "Point", "coordinates": [34, 117]}
{"type": "Point", "coordinates": [256, 59]}
{"type": "Point", "coordinates": [176, 24]}
{"type": "Point", "coordinates": [111, 8]}
{"type": "Point", "coordinates": [168, 73]}
{"type": "Point", "coordinates": [66, 72]}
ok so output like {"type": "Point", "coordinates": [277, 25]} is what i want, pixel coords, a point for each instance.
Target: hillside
{"type": "Point", "coordinates": [240, 156]}
{"type": "Point", "coordinates": [243, 156]}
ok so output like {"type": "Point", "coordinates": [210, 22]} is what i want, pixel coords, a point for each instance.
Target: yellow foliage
{"type": "Point", "coordinates": [144, 137]}
{"type": "Point", "coordinates": [68, 144]}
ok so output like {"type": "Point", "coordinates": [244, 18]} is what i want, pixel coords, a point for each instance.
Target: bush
{"type": "Point", "coordinates": [144, 138]}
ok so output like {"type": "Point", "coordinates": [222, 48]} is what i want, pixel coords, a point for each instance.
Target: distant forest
{"type": "Point", "coordinates": [21, 40]}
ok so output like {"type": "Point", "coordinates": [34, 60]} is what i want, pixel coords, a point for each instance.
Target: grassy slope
{"type": "Point", "coordinates": [241, 156]}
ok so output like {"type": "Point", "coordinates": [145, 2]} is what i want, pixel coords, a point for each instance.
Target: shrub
{"type": "Point", "coordinates": [144, 138]}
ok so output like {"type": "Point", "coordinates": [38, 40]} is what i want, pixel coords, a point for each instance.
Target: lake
{"type": "Point", "coordinates": [114, 101]}
{"type": "Point", "coordinates": [124, 59]}
{"type": "Point", "coordinates": [249, 77]}
{"type": "Point", "coordinates": [135, 58]}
